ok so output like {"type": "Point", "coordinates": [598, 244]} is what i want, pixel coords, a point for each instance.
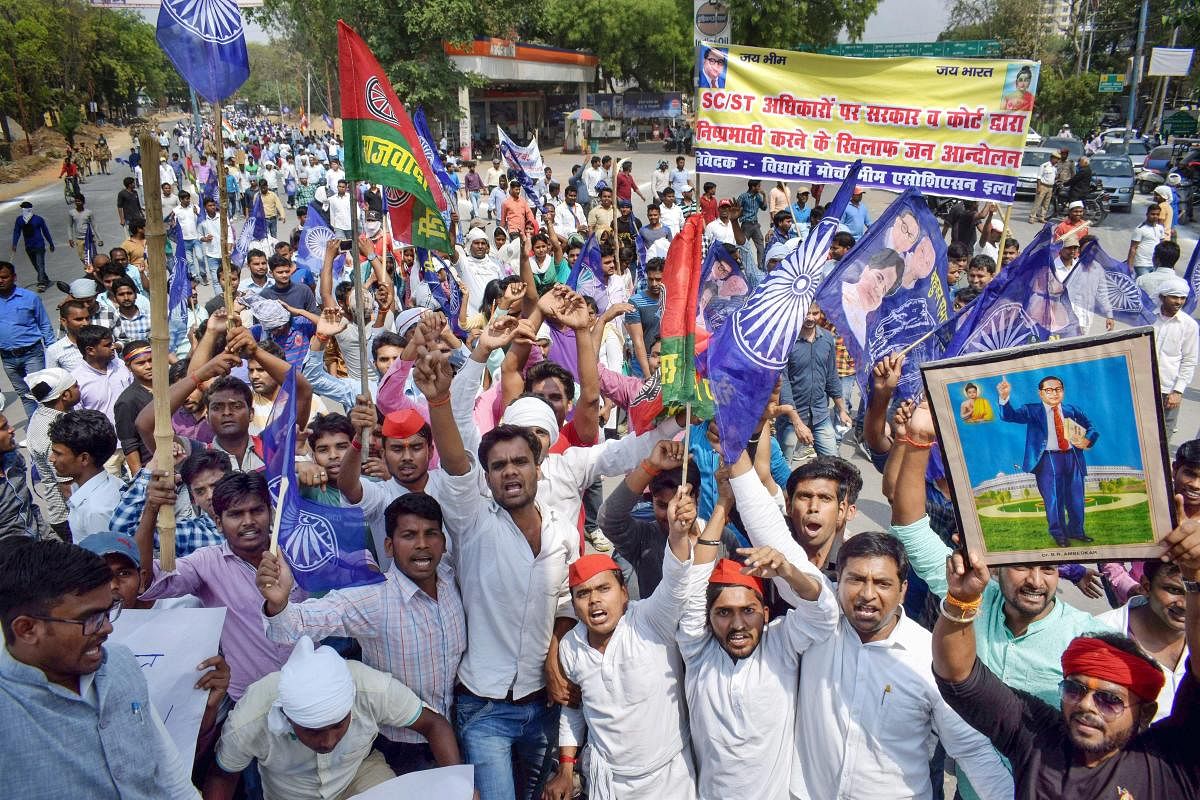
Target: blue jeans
{"type": "Point", "coordinates": [214, 267]}
{"type": "Point", "coordinates": [825, 440]}
{"type": "Point", "coordinates": [38, 259]}
{"type": "Point", "coordinates": [492, 732]}
{"type": "Point", "coordinates": [17, 364]}
{"type": "Point", "coordinates": [273, 226]}
{"type": "Point", "coordinates": [474, 204]}
{"type": "Point", "coordinates": [194, 250]}
{"type": "Point", "coordinates": [849, 382]}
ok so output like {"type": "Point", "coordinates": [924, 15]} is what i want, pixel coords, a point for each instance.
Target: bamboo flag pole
{"type": "Point", "coordinates": [687, 440]}
{"type": "Point", "coordinates": [222, 202]}
{"type": "Point", "coordinates": [156, 255]}
{"type": "Point", "coordinates": [359, 306]}
{"type": "Point", "coordinates": [283, 487]}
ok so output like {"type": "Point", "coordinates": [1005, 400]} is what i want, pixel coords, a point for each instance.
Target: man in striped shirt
{"type": "Point", "coordinates": [412, 625]}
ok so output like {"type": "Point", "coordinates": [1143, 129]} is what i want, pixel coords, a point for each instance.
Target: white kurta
{"type": "Point", "coordinates": [633, 705]}
{"type": "Point", "coordinates": [744, 711]}
{"type": "Point", "coordinates": [868, 712]}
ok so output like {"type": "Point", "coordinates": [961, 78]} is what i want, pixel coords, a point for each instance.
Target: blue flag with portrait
{"type": "Point", "coordinates": [1192, 276]}
{"type": "Point", "coordinates": [748, 352]}
{"type": "Point", "coordinates": [255, 230]}
{"type": "Point", "coordinates": [325, 546]}
{"type": "Point", "coordinates": [89, 244]}
{"type": "Point", "coordinates": [1024, 303]}
{"type": "Point", "coordinates": [889, 291]}
{"type": "Point", "coordinates": [446, 292]}
{"type": "Point", "coordinates": [207, 44]}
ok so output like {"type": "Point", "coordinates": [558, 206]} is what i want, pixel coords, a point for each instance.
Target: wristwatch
{"type": "Point", "coordinates": [1191, 587]}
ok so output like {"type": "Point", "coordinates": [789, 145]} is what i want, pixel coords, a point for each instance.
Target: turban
{"type": "Point", "coordinates": [1097, 658]}
{"type": "Point", "coordinates": [316, 689]}
{"type": "Point", "coordinates": [728, 571]}
{"type": "Point", "coordinates": [270, 313]}
{"type": "Point", "coordinates": [408, 318]}
{"type": "Point", "coordinates": [532, 412]}
{"type": "Point", "coordinates": [1173, 287]}
{"type": "Point", "coordinates": [402, 424]}
{"type": "Point", "coordinates": [475, 235]}
{"type": "Point", "coordinates": [584, 568]}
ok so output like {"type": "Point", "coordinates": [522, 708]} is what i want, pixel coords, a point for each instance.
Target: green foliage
{"type": "Point", "coordinates": [69, 121]}
{"type": "Point", "coordinates": [789, 23]}
{"type": "Point", "coordinates": [1067, 97]}
{"type": "Point", "coordinates": [1014, 23]}
{"type": "Point", "coordinates": [276, 75]}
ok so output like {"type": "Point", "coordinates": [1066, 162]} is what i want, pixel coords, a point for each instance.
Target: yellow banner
{"type": "Point", "coordinates": [946, 126]}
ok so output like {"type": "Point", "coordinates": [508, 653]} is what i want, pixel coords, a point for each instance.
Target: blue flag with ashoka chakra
{"type": "Point", "coordinates": [325, 546]}
{"type": "Point", "coordinates": [206, 42]}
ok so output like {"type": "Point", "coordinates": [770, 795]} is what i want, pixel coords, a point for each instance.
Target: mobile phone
{"type": "Point", "coordinates": [344, 245]}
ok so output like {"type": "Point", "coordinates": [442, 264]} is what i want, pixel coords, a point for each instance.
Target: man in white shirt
{"type": "Point", "coordinates": [209, 231]}
{"type": "Point", "coordinates": [624, 659]}
{"type": "Point", "coordinates": [724, 228]}
{"type": "Point", "coordinates": [592, 175]}
{"type": "Point", "coordinates": [311, 725]}
{"type": "Point", "coordinates": [476, 266]}
{"type": "Point", "coordinates": [340, 209]}
{"type": "Point", "coordinates": [570, 216]}
{"type": "Point", "coordinates": [492, 179]}
{"type": "Point", "coordinates": [1175, 348]}
{"type": "Point", "coordinates": [81, 441]}
{"type": "Point", "coordinates": [679, 176]}
{"type": "Point", "coordinates": [188, 217]}
{"type": "Point", "coordinates": [670, 212]}
{"type": "Point", "coordinates": [511, 555]}
{"type": "Point", "coordinates": [335, 174]}
{"type": "Point", "coordinates": [870, 704]}
{"type": "Point", "coordinates": [741, 676]}
{"type": "Point", "coordinates": [1166, 254]}
{"type": "Point", "coordinates": [1145, 238]}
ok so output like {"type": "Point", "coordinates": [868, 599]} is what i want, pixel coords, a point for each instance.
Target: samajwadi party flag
{"type": "Point", "coordinates": [681, 282]}
{"type": "Point", "coordinates": [381, 143]}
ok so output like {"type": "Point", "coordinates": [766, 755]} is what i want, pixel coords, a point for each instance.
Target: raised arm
{"type": "Point", "coordinates": [908, 461]}
{"type": "Point", "coordinates": [222, 364]}
{"type": "Point", "coordinates": [242, 343]}
{"type": "Point", "coordinates": [587, 406]}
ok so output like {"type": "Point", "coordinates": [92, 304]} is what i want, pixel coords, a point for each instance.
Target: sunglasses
{"type": "Point", "coordinates": [1109, 704]}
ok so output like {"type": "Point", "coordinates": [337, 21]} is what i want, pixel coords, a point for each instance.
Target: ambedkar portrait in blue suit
{"type": "Point", "coordinates": [1056, 436]}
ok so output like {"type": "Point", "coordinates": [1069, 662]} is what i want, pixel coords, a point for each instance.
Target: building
{"type": "Point", "coordinates": [520, 76]}
{"type": "Point", "coordinates": [1056, 17]}
{"type": "Point", "coordinates": [1017, 482]}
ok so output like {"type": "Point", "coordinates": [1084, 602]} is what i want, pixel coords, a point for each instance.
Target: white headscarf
{"type": "Point", "coordinates": [1173, 287]}
{"type": "Point", "coordinates": [316, 689]}
{"type": "Point", "coordinates": [532, 412]}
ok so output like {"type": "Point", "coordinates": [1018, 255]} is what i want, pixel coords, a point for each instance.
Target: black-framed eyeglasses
{"type": "Point", "coordinates": [1109, 704]}
{"type": "Point", "coordinates": [92, 625]}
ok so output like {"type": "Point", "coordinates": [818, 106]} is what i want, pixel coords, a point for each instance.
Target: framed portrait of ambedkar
{"type": "Point", "coordinates": [1055, 451]}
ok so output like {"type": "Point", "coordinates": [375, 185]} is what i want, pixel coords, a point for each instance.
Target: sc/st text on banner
{"type": "Point", "coordinates": [951, 127]}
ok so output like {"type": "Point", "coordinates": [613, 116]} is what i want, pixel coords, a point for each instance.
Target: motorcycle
{"type": "Point", "coordinates": [1148, 180]}
{"type": "Point", "coordinates": [1095, 203]}
{"type": "Point", "coordinates": [631, 139]}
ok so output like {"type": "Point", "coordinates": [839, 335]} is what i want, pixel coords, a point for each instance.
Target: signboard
{"type": "Point", "coordinates": [1112, 82]}
{"type": "Point", "coordinates": [1170, 62]}
{"type": "Point", "coordinates": [1180, 123]}
{"type": "Point", "coordinates": [967, 48]}
{"type": "Point", "coordinates": [636, 105]}
{"type": "Point", "coordinates": [712, 22]}
{"type": "Point", "coordinates": [947, 127]}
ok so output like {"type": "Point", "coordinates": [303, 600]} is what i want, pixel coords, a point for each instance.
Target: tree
{"type": "Point", "coordinates": [1016, 24]}
{"type": "Point", "coordinates": [276, 76]}
{"type": "Point", "coordinates": [1064, 96]}
{"type": "Point", "coordinates": [790, 24]}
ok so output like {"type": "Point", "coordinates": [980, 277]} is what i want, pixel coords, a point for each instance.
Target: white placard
{"type": "Point", "coordinates": [1170, 61]}
{"type": "Point", "coordinates": [444, 783]}
{"type": "Point", "coordinates": [168, 644]}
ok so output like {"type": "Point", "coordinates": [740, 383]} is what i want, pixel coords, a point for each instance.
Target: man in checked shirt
{"type": "Point", "coordinates": [412, 625]}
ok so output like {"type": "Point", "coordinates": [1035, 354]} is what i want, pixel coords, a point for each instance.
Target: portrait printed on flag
{"type": "Point", "coordinates": [1055, 451]}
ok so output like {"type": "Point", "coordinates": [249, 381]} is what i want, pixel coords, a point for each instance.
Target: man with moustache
{"type": "Point", "coordinates": [411, 626]}
{"type": "Point", "coordinates": [87, 727]}
{"type": "Point", "coordinates": [740, 680]}
{"type": "Point", "coordinates": [1095, 740]}
{"type": "Point", "coordinates": [871, 707]}
{"type": "Point", "coordinates": [1021, 627]}
{"type": "Point", "coordinates": [624, 659]}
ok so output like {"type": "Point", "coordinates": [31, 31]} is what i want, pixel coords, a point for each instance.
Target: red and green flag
{"type": "Point", "coordinates": [681, 282]}
{"type": "Point", "coordinates": [382, 145]}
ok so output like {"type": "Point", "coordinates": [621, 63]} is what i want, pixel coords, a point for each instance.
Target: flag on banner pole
{"type": "Point", "coordinates": [1025, 303]}
{"type": "Point", "coordinates": [303, 119]}
{"type": "Point", "coordinates": [889, 291]}
{"type": "Point", "coordinates": [677, 329]}
{"type": "Point", "coordinates": [1100, 284]}
{"type": "Point", "coordinates": [180, 286]}
{"type": "Point", "coordinates": [448, 182]}
{"type": "Point", "coordinates": [314, 236]}
{"type": "Point", "coordinates": [206, 43]}
{"type": "Point", "coordinates": [526, 165]}
{"type": "Point", "coordinates": [382, 145]}
{"type": "Point", "coordinates": [254, 230]}
{"type": "Point", "coordinates": [211, 191]}
{"type": "Point", "coordinates": [587, 275]}
{"type": "Point", "coordinates": [445, 290]}
{"type": "Point", "coordinates": [89, 244]}
{"type": "Point", "coordinates": [327, 120]}
{"type": "Point", "coordinates": [747, 353]}
{"type": "Point", "coordinates": [325, 546]}
{"type": "Point", "coordinates": [1192, 276]}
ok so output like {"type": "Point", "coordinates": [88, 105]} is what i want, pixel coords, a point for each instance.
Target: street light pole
{"type": "Point", "coordinates": [1135, 79]}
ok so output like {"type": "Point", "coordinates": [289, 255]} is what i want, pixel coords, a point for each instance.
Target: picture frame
{"type": "Point", "coordinates": [1086, 482]}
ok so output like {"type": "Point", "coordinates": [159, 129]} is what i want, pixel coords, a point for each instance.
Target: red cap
{"type": "Point", "coordinates": [402, 424]}
{"type": "Point", "coordinates": [728, 571]}
{"type": "Point", "coordinates": [584, 568]}
{"type": "Point", "coordinates": [724, 202]}
{"type": "Point", "coordinates": [1099, 659]}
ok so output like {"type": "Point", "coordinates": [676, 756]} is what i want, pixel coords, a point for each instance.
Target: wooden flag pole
{"type": "Point", "coordinates": [156, 255]}
{"type": "Point", "coordinates": [278, 516]}
{"type": "Point", "coordinates": [359, 306]}
{"type": "Point", "coordinates": [687, 440]}
{"type": "Point", "coordinates": [222, 202]}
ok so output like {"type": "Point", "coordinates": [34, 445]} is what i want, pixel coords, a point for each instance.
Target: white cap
{"type": "Point", "coordinates": [407, 318]}
{"type": "Point", "coordinates": [1164, 192]}
{"type": "Point", "coordinates": [1074, 204]}
{"type": "Point", "coordinates": [1173, 287]}
{"type": "Point", "coordinates": [48, 384]}
{"type": "Point", "coordinates": [82, 288]}
{"type": "Point", "coordinates": [997, 224]}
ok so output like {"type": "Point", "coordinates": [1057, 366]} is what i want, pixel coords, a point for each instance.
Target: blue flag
{"type": "Point", "coordinates": [889, 291]}
{"type": "Point", "coordinates": [210, 190]}
{"type": "Point", "coordinates": [89, 244]}
{"type": "Point", "coordinates": [328, 122]}
{"type": "Point", "coordinates": [180, 286]}
{"type": "Point", "coordinates": [518, 159]}
{"type": "Point", "coordinates": [1024, 303]}
{"type": "Point", "coordinates": [1192, 276]}
{"type": "Point", "coordinates": [1100, 284]}
{"type": "Point", "coordinates": [449, 184]}
{"type": "Point", "coordinates": [254, 230]}
{"type": "Point", "coordinates": [206, 43]}
{"type": "Point", "coordinates": [446, 294]}
{"type": "Point", "coordinates": [324, 545]}
{"type": "Point", "coordinates": [747, 353]}
{"type": "Point", "coordinates": [314, 237]}
{"type": "Point", "coordinates": [722, 290]}
{"type": "Point", "coordinates": [587, 275]}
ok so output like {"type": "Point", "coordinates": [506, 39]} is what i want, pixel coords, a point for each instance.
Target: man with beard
{"type": "Point", "coordinates": [411, 626]}
{"type": "Point", "coordinates": [1094, 740]}
{"type": "Point", "coordinates": [741, 685]}
{"type": "Point", "coordinates": [624, 659]}
{"type": "Point", "coordinates": [68, 693]}
{"type": "Point", "coordinates": [512, 550]}
{"type": "Point", "coordinates": [477, 266]}
{"type": "Point", "coordinates": [223, 575]}
{"type": "Point", "coordinates": [1021, 627]}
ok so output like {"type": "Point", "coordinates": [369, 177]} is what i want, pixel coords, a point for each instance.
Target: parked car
{"type": "Point", "coordinates": [1116, 134]}
{"type": "Point", "coordinates": [1155, 168]}
{"type": "Point", "coordinates": [1135, 151]}
{"type": "Point", "coordinates": [1074, 146]}
{"type": "Point", "coordinates": [1031, 162]}
{"type": "Point", "coordinates": [1117, 175]}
